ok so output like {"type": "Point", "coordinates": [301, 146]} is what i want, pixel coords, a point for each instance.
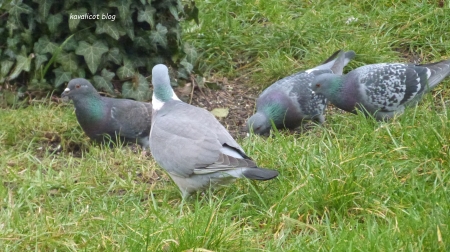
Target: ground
{"type": "Point", "coordinates": [235, 95]}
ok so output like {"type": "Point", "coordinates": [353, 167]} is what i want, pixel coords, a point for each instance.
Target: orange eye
{"type": "Point", "coordinates": [318, 85]}
{"type": "Point", "coordinates": [77, 86]}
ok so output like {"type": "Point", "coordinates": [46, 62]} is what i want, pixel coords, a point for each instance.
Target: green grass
{"type": "Point", "coordinates": [354, 184]}
{"type": "Point", "coordinates": [350, 185]}
{"type": "Point", "coordinates": [269, 39]}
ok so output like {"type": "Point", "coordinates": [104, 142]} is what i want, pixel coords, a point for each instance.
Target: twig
{"type": "Point", "coordinates": [192, 90]}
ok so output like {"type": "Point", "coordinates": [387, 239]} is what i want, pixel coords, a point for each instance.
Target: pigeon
{"type": "Point", "coordinates": [192, 146]}
{"type": "Point", "coordinates": [381, 90]}
{"type": "Point", "coordinates": [102, 117]}
{"type": "Point", "coordinates": [290, 100]}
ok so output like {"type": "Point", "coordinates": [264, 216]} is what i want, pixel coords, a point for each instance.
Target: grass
{"type": "Point", "coordinates": [269, 39]}
{"type": "Point", "coordinates": [351, 185]}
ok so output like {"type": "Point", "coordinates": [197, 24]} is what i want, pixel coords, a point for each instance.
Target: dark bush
{"type": "Point", "coordinates": [45, 43]}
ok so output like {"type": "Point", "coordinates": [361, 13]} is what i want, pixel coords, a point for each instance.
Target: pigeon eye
{"type": "Point", "coordinates": [77, 86]}
{"type": "Point", "coordinates": [318, 85]}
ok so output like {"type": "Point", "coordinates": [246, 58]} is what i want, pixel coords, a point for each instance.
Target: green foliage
{"type": "Point", "coordinates": [102, 41]}
{"type": "Point", "coordinates": [269, 39]}
{"type": "Point", "coordinates": [353, 184]}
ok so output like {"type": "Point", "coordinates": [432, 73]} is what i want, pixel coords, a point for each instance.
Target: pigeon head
{"type": "Point", "coordinates": [270, 107]}
{"type": "Point", "coordinates": [162, 90]}
{"type": "Point", "coordinates": [78, 88]}
{"type": "Point", "coordinates": [327, 84]}
{"type": "Point", "coordinates": [259, 123]}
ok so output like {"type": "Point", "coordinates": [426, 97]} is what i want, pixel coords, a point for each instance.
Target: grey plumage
{"type": "Point", "coordinates": [382, 90]}
{"type": "Point", "coordinates": [290, 100]}
{"type": "Point", "coordinates": [102, 117]}
{"type": "Point", "coordinates": [192, 146]}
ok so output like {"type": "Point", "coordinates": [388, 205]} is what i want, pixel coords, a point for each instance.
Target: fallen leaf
{"type": "Point", "coordinates": [220, 112]}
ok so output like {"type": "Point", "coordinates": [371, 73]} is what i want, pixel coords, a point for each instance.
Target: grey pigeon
{"type": "Point", "coordinates": [290, 100]}
{"type": "Point", "coordinates": [102, 116]}
{"type": "Point", "coordinates": [381, 90]}
{"type": "Point", "coordinates": [192, 146]}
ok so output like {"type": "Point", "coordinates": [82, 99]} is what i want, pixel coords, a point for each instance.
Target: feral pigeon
{"type": "Point", "coordinates": [381, 90]}
{"type": "Point", "coordinates": [102, 116]}
{"type": "Point", "coordinates": [192, 146]}
{"type": "Point", "coordinates": [290, 100]}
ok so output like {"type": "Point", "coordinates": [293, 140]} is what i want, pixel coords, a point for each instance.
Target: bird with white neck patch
{"type": "Point", "coordinates": [381, 90]}
{"type": "Point", "coordinates": [102, 117]}
{"type": "Point", "coordinates": [192, 146]}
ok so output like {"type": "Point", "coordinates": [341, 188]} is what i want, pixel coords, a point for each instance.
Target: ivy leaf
{"type": "Point", "coordinates": [114, 55]}
{"type": "Point", "coordinates": [129, 27]}
{"type": "Point", "coordinates": [104, 81]}
{"type": "Point", "coordinates": [186, 70]}
{"type": "Point", "coordinates": [69, 3]}
{"type": "Point", "coordinates": [10, 53]}
{"type": "Point", "coordinates": [191, 53]}
{"type": "Point", "coordinates": [124, 8]}
{"type": "Point", "coordinates": [139, 61]}
{"type": "Point", "coordinates": [44, 8]}
{"type": "Point", "coordinates": [137, 89]}
{"type": "Point", "coordinates": [44, 46]}
{"type": "Point", "coordinates": [73, 20]}
{"type": "Point", "coordinates": [107, 74]}
{"type": "Point", "coordinates": [22, 64]}
{"type": "Point", "coordinates": [27, 37]}
{"type": "Point", "coordinates": [18, 8]}
{"type": "Point", "coordinates": [85, 35]}
{"type": "Point", "coordinates": [11, 26]}
{"type": "Point", "coordinates": [107, 27]}
{"type": "Point", "coordinates": [53, 21]}
{"type": "Point", "coordinates": [5, 66]}
{"type": "Point", "coordinates": [68, 61]}
{"type": "Point", "coordinates": [126, 71]}
{"type": "Point", "coordinates": [174, 11]}
{"type": "Point", "coordinates": [70, 45]}
{"type": "Point", "coordinates": [39, 60]}
{"type": "Point", "coordinates": [92, 53]}
{"type": "Point", "coordinates": [147, 15]}
{"type": "Point", "coordinates": [81, 73]}
{"type": "Point", "coordinates": [12, 42]}
{"type": "Point", "coordinates": [141, 41]}
{"type": "Point", "coordinates": [159, 37]}
{"type": "Point", "coordinates": [61, 76]}
{"type": "Point", "coordinates": [177, 32]}
{"type": "Point", "coordinates": [191, 12]}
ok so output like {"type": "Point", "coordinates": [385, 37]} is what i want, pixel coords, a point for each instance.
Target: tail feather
{"type": "Point", "coordinates": [439, 71]}
{"type": "Point", "coordinates": [337, 61]}
{"type": "Point", "coordinates": [342, 60]}
{"type": "Point", "coordinates": [332, 57]}
{"type": "Point", "coordinates": [328, 63]}
{"type": "Point", "coordinates": [349, 55]}
{"type": "Point", "coordinates": [259, 173]}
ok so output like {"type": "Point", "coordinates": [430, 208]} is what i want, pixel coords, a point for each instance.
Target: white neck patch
{"type": "Point", "coordinates": [157, 104]}
{"type": "Point", "coordinates": [311, 70]}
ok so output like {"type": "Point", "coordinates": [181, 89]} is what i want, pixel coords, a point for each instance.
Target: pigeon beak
{"type": "Point", "coordinates": [65, 95]}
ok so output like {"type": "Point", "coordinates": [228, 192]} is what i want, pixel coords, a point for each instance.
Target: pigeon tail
{"type": "Point", "coordinates": [349, 55]}
{"type": "Point", "coordinates": [341, 61]}
{"type": "Point", "coordinates": [438, 71]}
{"type": "Point", "coordinates": [328, 63]}
{"type": "Point", "coordinates": [257, 173]}
{"type": "Point", "coordinates": [337, 61]}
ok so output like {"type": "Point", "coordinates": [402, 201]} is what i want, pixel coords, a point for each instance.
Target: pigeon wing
{"type": "Point", "coordinates": [131, 118]}
{"type": "Point", "coordinates": [200, 143]}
